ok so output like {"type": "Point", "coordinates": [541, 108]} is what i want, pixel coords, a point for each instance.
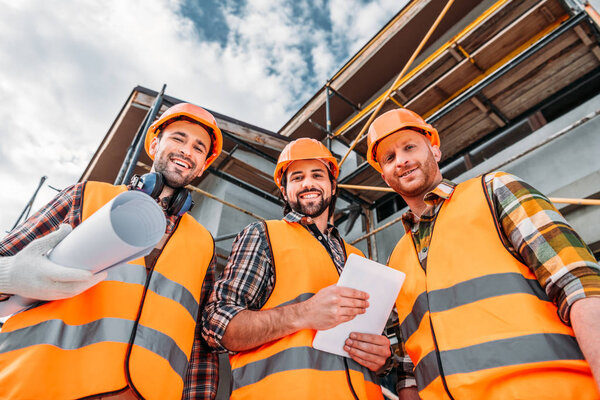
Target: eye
{"type": "Point", "coordinates": [177, 139]}
{"type": "Point", "coordinates": [409, 147]}
{"type": "Point", "coordinates": [199, 149]}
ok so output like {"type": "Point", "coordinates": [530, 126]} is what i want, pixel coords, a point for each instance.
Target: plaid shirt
{"type": "Point", "coordinates": [202, 375]}
{"type": "Point", "coordinates": [535, 233]}
{"type": "Point", "coordinates": [249, 276]}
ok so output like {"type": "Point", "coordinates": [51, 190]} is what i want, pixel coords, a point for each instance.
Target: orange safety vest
{"type": "Point", "coordinates": [290, 367]}
{"type": "Point", "coordinates": [476, 323]}
{"type": "Point", "coordinates": [135, 329]}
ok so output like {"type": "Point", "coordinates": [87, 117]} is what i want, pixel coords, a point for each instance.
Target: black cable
{"type": "Point", "coordinates": [349, 380]}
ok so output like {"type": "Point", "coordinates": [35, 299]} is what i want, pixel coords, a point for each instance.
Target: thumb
{"type": "Point", "coordinates": [49, 241]}
{"type": "Point", "coordinates": [60, 273]}
{"type": "Point", "coordinates": [73, 288]}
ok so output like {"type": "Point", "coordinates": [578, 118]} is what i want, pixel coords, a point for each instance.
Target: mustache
{"type": "Point", "coordinates": [186, 159]}
{"type": "Point", "coordinates": [310, 190]}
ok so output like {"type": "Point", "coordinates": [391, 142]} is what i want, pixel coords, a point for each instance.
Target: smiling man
{"type": "Point", "coordinates": [134, 333]}
{"type": "Point", "coordinates": [278, 288]}
{"type": "Point", "coordinates": [502, 297]}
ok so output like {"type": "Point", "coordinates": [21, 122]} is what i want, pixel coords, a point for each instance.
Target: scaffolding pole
{"type": "Point", "coordinates": [400, 75]}
{"type": "Point", "coordinates": [557, 200]}
{"type": "Point", "coordinates": [27, 208]}
{"type": "Point", "coordinates": [134, 150]}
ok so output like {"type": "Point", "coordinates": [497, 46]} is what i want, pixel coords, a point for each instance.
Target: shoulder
{"type": "Point", "coordinates": [500, 178]}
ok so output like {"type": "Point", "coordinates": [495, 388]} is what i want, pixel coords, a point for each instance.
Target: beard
{"type": "Point", "coordinates": [312, 210]}
{"type": "Point", "coordinates": [174, 178]}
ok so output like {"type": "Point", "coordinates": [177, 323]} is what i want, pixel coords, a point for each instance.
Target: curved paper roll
{"type": "Point", "coordinates": [126, 228]}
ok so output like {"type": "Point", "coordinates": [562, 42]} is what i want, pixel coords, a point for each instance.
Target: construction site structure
{"type": "Point", "coordinates": [510, 85]}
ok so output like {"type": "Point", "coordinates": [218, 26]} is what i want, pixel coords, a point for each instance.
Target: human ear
{"type": "Point", "coordinates": [153, 148]}
{"type": "Point", "coordinates": [437, 153]}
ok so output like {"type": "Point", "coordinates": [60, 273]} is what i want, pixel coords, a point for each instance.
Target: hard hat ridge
{"type": "Point", "coordinates": [192, 113]}
{"type": "Point", "coordinates": [304, 149]}
{"type": "Point", "coordinates": [393, 121]}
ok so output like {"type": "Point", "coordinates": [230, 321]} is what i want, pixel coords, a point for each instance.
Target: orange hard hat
{"type": "Point", "coordinates": [393, 121]}
{"type": "Point", "coordinates": [187, 111]}
{"type": "Point", "coordinates": [304, 149]}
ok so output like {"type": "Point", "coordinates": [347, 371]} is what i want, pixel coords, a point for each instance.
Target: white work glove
{"type": "Point", "coordinates": [31, 274]}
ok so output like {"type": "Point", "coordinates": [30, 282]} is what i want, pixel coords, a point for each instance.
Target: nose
{"type": "Point", "coordinates": [186, 149]}
{"type": "Point", "coordinates": [400, 161]}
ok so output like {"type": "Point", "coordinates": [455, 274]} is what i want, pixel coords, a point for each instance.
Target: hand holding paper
{"type": "Point", "coordinates": [30, 273]}
{"type": "Point", "coordinates": [126, 228]}
{"type": "Point", "coordinates": [369, 350]}
{"type": "Point", "coordinates": [382, 283]}
{"type": "Point", "coordinates": [333, 305]}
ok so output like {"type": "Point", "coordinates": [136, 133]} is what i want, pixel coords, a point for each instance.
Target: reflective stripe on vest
{"type": "Point", "coordinates": [82, 346]}
{"type": "Point", "coordinates": [290, 367]}
{"type": "Point", "coordinates": [495, 333]}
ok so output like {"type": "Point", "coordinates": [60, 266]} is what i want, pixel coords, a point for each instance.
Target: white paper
{"type": "Point", "coordinates": [382, 283]}
{"type": "Point", "coordinates": [126, 228]}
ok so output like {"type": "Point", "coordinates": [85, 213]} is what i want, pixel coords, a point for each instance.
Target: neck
{"type": "Point", "coordinates": [166, 192]}
{"type": "Point", "coordinates": [417, 203]}
{"type": "Point", "coordinates": [321, 221]}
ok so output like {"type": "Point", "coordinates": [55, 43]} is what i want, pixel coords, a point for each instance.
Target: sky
{"type": "Point", "coordinates": [67, 67]}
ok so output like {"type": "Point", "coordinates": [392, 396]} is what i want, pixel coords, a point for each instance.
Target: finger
{"type": "Point", "coordinates": [70, 289]}
{"type": "Point", "coordinates": [47, 242]}
{"type": "Point", "coordinates": [368, 350]}
{"type": "Point", "coordinates": [353, 311]}
{"type": "Point", "coordinates": [60, 273]}
{"type": "Point", "coordinates": [365, 363]}
{"type": "Point", "coordinates": [352, 293]}
{"type": "Point", "coordinates": [355, 303]}
{"type": "Point", "coordinates": [380, 340]}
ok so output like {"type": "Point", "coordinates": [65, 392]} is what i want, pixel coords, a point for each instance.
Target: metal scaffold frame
{"type": "Point", "coordinates": [468, 92]}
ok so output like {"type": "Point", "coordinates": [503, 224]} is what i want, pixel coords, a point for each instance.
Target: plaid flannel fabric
{"type": "Point", "coordinates": [249, 276]}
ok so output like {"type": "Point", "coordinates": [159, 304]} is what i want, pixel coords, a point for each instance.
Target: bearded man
{"type": "Point", "coordinates": [278, 289]}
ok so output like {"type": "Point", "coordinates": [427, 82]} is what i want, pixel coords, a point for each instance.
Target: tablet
{"type": "Point", "coordinates": [383, 285]}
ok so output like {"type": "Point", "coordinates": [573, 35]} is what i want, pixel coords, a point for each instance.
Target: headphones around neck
{"type": "Point", "coordinates": [153, 183]}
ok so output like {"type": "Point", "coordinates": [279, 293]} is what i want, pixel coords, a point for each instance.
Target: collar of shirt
{"type": "Point", "coordinates": [434, 198]}
{"type": "Point", "coordinates": [294, 216]}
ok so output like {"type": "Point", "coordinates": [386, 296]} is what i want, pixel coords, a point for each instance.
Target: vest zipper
{"type": "Point", "coordinates": [348, 379]}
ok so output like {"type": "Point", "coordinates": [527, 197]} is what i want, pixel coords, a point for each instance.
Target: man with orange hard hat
{"type": "Point", "coordinates": [133, 332]}
{"type": "Point", "coordinates": [279, 288]}
{"type": "Point", "coordinates": [501, 298]}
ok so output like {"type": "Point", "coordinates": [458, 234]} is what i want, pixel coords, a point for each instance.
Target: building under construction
{"type": "Point", "coordinates": [510, 85]}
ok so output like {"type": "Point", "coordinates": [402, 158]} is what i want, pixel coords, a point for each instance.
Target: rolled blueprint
{"type": "Point", "coordinates": [126, 228]}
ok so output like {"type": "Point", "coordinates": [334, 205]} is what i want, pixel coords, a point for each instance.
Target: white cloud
{"type": "Point", "coordinates": [67, 67]}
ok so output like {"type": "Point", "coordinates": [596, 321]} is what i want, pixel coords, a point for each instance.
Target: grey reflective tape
{"type": "Point", "coordinates": [294, 359]}
{"type": "Point", "coordinates": [128, 273]}
{"type": "Point", "coordinates": [467, 292]}
{"type": "Point", "coordinates": [159, 284]}
{"type": "Point", "coordinates": [499, 353]}
{"type": "Point", "coordinates": [484, 287]}
{"type": "Point", "coordinates": [426, 370]}
{"type": "Point", "coordinates": [165, 287]}
{"type": "Point", "coordinates": [70, 337]}
{"type": "Point", "coordinates": [163, 346]}
{"type": "Point", "coordinates": [412, 320]}
{"type": "Point", "coordinates": [302, 297]}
